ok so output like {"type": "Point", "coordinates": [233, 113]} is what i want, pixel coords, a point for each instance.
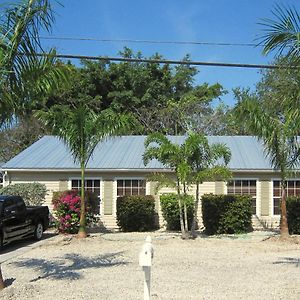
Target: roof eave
{"type": "Point", "coordinates": [86, 170]}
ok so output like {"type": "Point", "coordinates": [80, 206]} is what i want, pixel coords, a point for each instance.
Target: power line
{"type": "Point", "coordinates": [150, 41]}
{"type": "Point", "coordinates": [170, 62]}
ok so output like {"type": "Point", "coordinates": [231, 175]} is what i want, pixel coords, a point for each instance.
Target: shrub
{"type": "Point", "coordinates": [67, 203]}
{"type": "Point", "coordinates": [226, 213]}
{"type": "Point", "coordinates": [66, 207]}
{"type": "Point", "coordinates": [170, 209]}
{"type": "Point", "coordinates": [293, 214]}
{"type": "Point", "coordinates": [136, 213]}
{"type": "Point", "coordinates": [32, 193]}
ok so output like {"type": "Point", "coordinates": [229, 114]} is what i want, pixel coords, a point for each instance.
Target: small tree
{"type": "Point", "coordinates": [170, 155]}
{"type": "Point", "coordinates": [194, 161]}
{"type": "Point", "coordinates": [207, 162]}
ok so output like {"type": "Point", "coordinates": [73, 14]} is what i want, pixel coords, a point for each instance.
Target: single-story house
{"type": "Point", "coordinates": [116, 168]}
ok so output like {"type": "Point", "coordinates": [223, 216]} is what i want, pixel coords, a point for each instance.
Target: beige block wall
{"type": "Point", "coordinates": [60, 181]}
{"type": "Point", "coordinates": [51, 182]}
{"type": "Point", "coordinates": [265, 197]}
{"type": "Point", "coordinates": [220, 187]}
{"type": "Point", "coordinates": [108, 184]}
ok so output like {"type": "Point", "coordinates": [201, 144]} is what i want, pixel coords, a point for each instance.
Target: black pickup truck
{"type": "Point", "coordinates": [18, 221]}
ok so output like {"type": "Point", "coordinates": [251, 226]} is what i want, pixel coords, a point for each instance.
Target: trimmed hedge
{"type": "Point", "coordinates": [136, 213]}
{"type": "Point", "coordinates": [170, 209]}
{"type": "Point", "coordinates": [293, 214]}
{"type": "Point", "coordinates": [32, 193]}
{"type": "Point", "coordinates": [226, 214]}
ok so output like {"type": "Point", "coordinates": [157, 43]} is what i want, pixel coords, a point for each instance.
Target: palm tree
{"type": "Point", "coordinates": [208, 163]}
{"type": "Point", "coordinates": [81, 129]}
{"type": "Point", "coordinates": [279, 136]}
{"type": "Point", "coordinates": [26, 77]}
{"type": "Point", "coordinates": [170, 155]}
{"type": "Point", "coordinates": [194, 161]}
{"type": "Point", "coordinates": [282, 33]}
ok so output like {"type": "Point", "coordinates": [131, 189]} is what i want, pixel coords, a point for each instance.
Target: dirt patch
{"type": "Point", "coordinates": [105, 266]}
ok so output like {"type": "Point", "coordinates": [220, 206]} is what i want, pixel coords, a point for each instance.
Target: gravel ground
{"type": "Point", "coordinates": [105, 266]}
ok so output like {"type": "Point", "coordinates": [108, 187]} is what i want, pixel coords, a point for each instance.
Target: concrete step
{"type": "Point", "coordinates": [109, 222]}
{"type": "Point", "coordinates": [257, 224]}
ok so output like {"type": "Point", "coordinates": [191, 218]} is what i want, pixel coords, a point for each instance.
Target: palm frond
{"type": "Point", "coordinates": [282, 33]}
{"type": "Point", "coordinates": [278, 133]}
{"type": "Point", "coordinates": [81, 129]}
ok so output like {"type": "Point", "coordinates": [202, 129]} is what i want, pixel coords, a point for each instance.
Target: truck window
{"type": "Point", "coordinates": [9, 205]}
{"type": "Point", "coordinates": [20, 205]}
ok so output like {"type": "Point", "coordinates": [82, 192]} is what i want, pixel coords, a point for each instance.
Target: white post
{"type": "Point", "coordinates": [145, 261]}
{"type": "Point", "coordinates": [147, 281]}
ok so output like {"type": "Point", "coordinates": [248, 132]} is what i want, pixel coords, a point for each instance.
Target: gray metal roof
{"type": "Point", "coordinates": [126, 153]}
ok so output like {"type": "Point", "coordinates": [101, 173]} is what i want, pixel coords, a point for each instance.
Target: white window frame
{"type": "Point", "coordinates": [258, 191]}
{"type": "Point", "coordinates": [101, 189]}
{"type": "Point", "coordinates": [272, 194]}
{"type": "Point", "coordinates": [115, 187]}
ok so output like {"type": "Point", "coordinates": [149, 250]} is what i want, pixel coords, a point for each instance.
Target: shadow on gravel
{"type": "Point", "coordinates": [68, 266]}
{"type": "Point", "coordinates": [288, 260]}
{"type": "Point", "coordinates": [9, 281]}
{"type": "Point", "coordinates": [25, 242]}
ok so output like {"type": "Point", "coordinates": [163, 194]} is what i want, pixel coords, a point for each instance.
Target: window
{"type": "Point", "coordinates": [243, 187]}
{"type": "Point", "coordinates": [131, 187]}
{"type": "Point", "coordinates": [292, 189]}
{"type": "Point", "coordinates": [92, 186]}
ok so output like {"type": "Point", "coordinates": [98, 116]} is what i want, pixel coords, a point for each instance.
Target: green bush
{"type": "Point", "coordinates": [293, 214]}
{"type": "Point", "coordinates": [32, 193]}
{"type": "Point", "coordinates": [136, 213]}
{"type": "Point", "coordinates": [226, 214]}
{"type": "Point", "coordinates": [170, 209]}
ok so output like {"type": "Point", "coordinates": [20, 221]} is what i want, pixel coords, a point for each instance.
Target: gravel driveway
{"type": "Point", "coordinates": [105, 266]}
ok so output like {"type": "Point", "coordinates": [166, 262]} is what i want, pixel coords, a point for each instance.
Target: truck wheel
{"type": "Point", "coordinates": [38, 232]}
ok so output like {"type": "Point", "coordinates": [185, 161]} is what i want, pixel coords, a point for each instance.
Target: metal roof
{"type": "Point", "coordinates": [125, 153]}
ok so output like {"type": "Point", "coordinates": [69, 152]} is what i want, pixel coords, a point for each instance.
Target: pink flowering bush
{"type": "Point", "coordinates": [67, 211]}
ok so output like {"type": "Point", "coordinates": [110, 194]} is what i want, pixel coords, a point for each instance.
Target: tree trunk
{"type": "Point", "coordinates": [284, 229]}
{"type": "Point", "coordinates": [186, 226]}
{"type": "Point", "coordinates": [82, 221]}
{"type": "Point", "coordinates": [195, 215]}
{"type": "Point", "coordinates": [183, 233]}
{"type": "Point", "coordinates": [2, 285]}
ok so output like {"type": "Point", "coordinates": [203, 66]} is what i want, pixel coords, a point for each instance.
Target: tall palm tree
{"type": "Point", "coordinates": [282, 34]}
{"type": "Point", "coordinates": [208, 163]}
{"type": "Point", "coordinates": [26, 77]}
{"type": "Point", "coordinates": [81, 129]}
{"type": "Point", "coordinates": [279, 136]}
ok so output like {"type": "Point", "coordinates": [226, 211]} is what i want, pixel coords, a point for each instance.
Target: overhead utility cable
{"type": "Point", "coordinates": [149, 41]}
{"type": "Point", "coordinates": [170, 62]}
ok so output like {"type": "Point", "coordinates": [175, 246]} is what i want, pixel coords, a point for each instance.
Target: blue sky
{"type": "Point", "coordinates": [232, 21]}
